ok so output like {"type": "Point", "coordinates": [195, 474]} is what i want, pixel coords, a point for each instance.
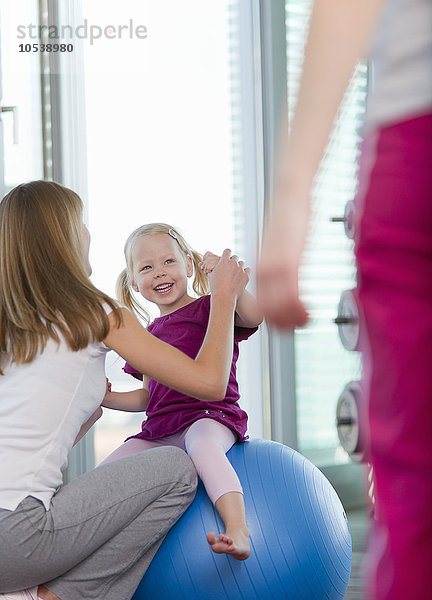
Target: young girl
{"type": "Point", "coordinates": [94, 537]}
{"type": "Point", "coordinates": [159, 262]}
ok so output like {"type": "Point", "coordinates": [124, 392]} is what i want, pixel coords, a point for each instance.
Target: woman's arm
{"type": "Point", "coordinates": [206, 377]}
{"type": "Point", "coordinates": [248, 312]}
{"type": "Point", "coordinates": [340, 32]}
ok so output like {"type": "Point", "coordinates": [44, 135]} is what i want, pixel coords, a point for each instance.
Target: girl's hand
{"type": "Point", "coordinates": [107, 390]}
{"type": "Point", "coordinates": [248, 313]}
{"type": "Point", "coordinates": [209, 262]}
{"type": "Point", "coordinates": [229, 276]}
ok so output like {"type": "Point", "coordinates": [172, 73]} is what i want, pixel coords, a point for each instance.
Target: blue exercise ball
{"type": "Point", "coordinates": [300, 540]}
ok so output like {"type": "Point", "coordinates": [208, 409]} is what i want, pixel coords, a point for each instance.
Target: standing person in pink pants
{"type": "Point", "coordinates": [394, 254]}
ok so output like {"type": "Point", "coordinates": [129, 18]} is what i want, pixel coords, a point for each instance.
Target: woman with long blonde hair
{"type": "Point", "coordinates": [94, 537]}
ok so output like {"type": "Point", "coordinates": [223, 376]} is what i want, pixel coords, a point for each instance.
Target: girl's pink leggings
{"type": "Point", "coordinates": [206, 441]}
{"type": "Point", "coordinates": [394, 258]}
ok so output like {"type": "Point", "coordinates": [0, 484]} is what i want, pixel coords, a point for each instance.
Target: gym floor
{"type": "Point", "coordinates": [358, 522]}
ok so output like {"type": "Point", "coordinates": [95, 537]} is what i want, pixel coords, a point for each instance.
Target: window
{"type": "Point", "coordinates": [323, 366]}
{"type": "Point", "coordinates": [164, 144]}
{"type": "Point", "coordinates": [20, 84]}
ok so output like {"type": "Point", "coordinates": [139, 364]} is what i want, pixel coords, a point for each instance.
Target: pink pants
{"type": "Point", "coordinates": [394, 256]}
{"type": "Point", "coordinates": [206, 441]}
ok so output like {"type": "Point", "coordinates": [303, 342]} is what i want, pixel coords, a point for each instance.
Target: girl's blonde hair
{"type": "Point", "coordinates": [124, 281]}
{"type": "Point", "coordinates": [44, 285]}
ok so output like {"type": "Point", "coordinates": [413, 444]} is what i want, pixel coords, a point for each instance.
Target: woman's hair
{"type": "Point", "coordinates": [124, 282]}
{"type": "Point", "coordinates": [44, 284]}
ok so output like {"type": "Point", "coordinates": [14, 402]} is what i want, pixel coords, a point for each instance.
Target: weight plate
{"type": "Point", "coordinates": [348, 320]}
{"type": "Point", "coordinates": [349, 219]}
{"type": "Point", "coordinates": [348, 420]}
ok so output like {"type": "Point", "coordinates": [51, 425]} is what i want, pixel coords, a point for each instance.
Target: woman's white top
{"type": "Point", "coordinates": [43, 405]}
{"type": "Point", "coordinates": [401, 53]}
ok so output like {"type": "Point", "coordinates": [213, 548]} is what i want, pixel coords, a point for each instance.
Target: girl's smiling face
{"type": "Point", "coordinates": [161, 271]}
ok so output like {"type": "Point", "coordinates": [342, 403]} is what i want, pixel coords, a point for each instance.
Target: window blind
{"type": "Point", "coordinates": [323, 366]}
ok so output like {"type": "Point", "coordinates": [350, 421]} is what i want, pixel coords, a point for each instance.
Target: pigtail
{"type": "Point", "coordinates": [200, 283]}
{"type": "Point", "coordinates": [125, 296]}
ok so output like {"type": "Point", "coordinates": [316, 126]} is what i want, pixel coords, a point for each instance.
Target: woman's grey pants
{"type": "Point", "coordinates": [102, 529]}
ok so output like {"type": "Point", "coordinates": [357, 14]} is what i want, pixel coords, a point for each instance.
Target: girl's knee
{"type": "Point", "coordinates": [207, 435]}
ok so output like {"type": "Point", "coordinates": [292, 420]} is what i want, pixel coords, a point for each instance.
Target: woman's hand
{"type": "Point", "coordinates": [229, 276]}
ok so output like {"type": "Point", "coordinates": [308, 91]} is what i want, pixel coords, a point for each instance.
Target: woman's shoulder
{"type": "Point", "coordinates": [113, 305]}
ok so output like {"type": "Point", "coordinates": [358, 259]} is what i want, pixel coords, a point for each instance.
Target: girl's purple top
{"type": "Point", "coordinates": [169, 411]}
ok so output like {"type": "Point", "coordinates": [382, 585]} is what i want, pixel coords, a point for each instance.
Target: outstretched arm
{"type": "Point", "coordinates": [132, 401]}
{"type": "Point", "coordinates": [340, 32]}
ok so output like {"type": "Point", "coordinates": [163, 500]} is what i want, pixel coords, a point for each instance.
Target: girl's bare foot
{"type": "Point", "coordinates": [234, 542]}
